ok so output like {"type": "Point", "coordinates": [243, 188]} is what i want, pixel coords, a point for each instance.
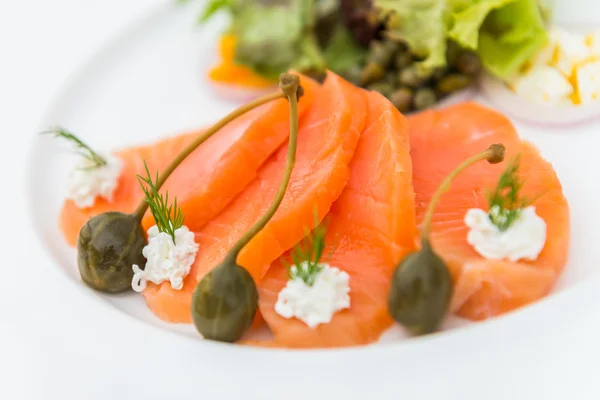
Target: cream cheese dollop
{"type": "Point", "coordinates": [524, 239]}
{"type": "Point", "coordinates": [87, 181]}
{"type": "Point", "coordinates": [168, 260]}
{"type": "Point", "coordinates": [316, 304]}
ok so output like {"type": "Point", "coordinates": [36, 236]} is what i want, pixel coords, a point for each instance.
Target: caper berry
{"type": "Point", "coordinates": [421, 291]}
{"type": "Point", "coordinates": [422, 286]}
{"type": "Point", "coordinates": [107, 247]}
{"type": "Point", "coordinates": [424, 98]}
{"type": "Point", "coordinates": [468, 62]}
{"type": "Point", "coordinates": [402, 99]}
{"type": "Point", "coordinates": [452, 83]}
{"type": "Point", "coordinates": [224, 303]}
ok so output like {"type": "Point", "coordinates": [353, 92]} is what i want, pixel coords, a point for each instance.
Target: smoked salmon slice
{"type": "Point", "coordinates": [209, 178]}
{"type": "Point", "coordinates": [440, 140]}
{"type": "Point", "coordinates": [371, 228]}
{"type": "Point", "coordinates": [327, 139]}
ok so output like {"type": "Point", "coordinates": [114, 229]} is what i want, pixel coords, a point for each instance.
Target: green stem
{"type": "Point", "coordinates": [292, 94]}
{"type": "Point", "coordinates": [141, 210]}
{"type": "Point", "coordinates": [494, 154]}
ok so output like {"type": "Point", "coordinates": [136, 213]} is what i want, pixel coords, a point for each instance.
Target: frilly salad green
{"type": "Point", "coordinates": [415, 52]}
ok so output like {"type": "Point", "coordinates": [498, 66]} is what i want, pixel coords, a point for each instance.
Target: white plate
{"type": "Point", "coordinates": [150, 82]}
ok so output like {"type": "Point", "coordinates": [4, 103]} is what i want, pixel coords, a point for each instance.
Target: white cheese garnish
{"type": "Point", "coordinates": [167, 260]}
{"type": "Point", "coordinates": [318, 303]}
{"type": "Point", "coordinates": [86, 181]}
{"type": "Point", "coordinates": [543, 84]}
{"type": "Point", "coordinates": [571, 50]}
{"type": "Point", "coordinates": [588, 82]}
{"type": "Point", "coordinates": [524, 239]}
{"type": "Point", "coordinates": [593, 42]}
{"type": "Point", "coordinates": [564, 73]}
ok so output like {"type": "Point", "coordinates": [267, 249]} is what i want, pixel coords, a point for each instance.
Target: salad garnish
{"type": "Point", "coordinates": [421, 285]}
{"type": "Point", "coordinates": [426, 48]}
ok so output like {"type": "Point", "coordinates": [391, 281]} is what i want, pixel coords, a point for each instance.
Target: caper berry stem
{"type": "Point", "coordinates": [290, 86]}
{"type": "Point", "coordinates": [141, 209]}
{"type": "Point", "coordinates": [494, 154]}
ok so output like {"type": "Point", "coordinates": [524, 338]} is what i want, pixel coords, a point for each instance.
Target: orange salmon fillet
{"type": "Point", "coordinates": [328, 136]}
{"type": "Point", "coordinates": [440, 140]}
{"type": "Point", "coordinates": [209, 178]}
{"type": "Point", "coordinates": [372, 227]}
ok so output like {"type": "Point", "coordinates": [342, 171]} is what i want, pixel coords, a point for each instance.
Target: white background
{"type": "Point", "coordinates": [43, 355]}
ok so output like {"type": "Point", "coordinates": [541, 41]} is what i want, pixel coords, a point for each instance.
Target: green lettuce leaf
{"type": "Point", "coordinates": [277, 35]}
{"type": "Point", "coordinates": [421, 24]}
{"type": "Point", "coordinates": [271, 35]}
{"type": "Point", "coordinates": [466, 19]}
{"type": "Point", "coordinates": [342, 51]}
{"type": "Point", "coordinates": [511, 36]}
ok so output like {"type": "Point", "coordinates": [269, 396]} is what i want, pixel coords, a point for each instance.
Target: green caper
{"type": "Point", "coordinates": [424, 98]}
{"type": "Point", "coordinates": [411, 77]}
{"type": "Point", "coordinates": [403, 60]}
{"type": "Point", "coordinates": [382, 87]}
{"type": "Point", "coordinates": [391, 78]}
{"type": "Point", "coordinates": [422, 286]}
{"type": "Point", "coordinates": [402, 99]}
{"type": "Point", "coordinates": [421, 291]}
{"type": "Point", "coordinates": [371, 72]}
{"type": "Point", "coordinates": [468, 62]}
{"type": "Point", "coordinates": [225, 303]}
{"type": "Point", "coordinates": [382, 52]}
{"type": "Point", "coordinates": [107, 247]}
{"type": "Point", "coordinates": [453, 82]}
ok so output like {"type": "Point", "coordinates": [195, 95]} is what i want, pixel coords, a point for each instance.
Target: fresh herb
{"type": "Point", "coordinates": [506, 202]}
{"type": "Point", "coordinates": [83, 149]}
{"type": "Point", "coordinates": [168, 218]}
{"type": "Point", "coordinates": [306, 256]}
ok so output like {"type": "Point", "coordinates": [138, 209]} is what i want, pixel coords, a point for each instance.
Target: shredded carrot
{"type": "Point", "coordinates": [227, 71]}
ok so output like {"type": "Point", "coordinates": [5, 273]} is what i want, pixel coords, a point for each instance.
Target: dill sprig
{"type": "Point", "coordinates": [168, 218]}
{"type": "Point", "coordinates": [506, 202]}
{"type": "Point", "coordinates": [307, 255]}
{"type": "Point", "coordinates": [83, 149]}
